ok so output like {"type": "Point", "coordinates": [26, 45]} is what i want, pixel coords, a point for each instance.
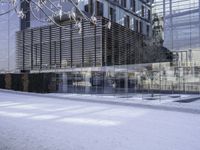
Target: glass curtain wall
{"type": "Point", "coordinates": [176, 28]}
{"type": "Point", "coordinates": [180, 21]}
{"type": "Point", "coordinates": [9, 24]}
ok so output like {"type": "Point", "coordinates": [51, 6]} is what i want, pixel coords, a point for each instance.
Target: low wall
{"type": "Point", "coordinates": [55, 82]}
{"type": "Point", "coordinates": [39, 83]}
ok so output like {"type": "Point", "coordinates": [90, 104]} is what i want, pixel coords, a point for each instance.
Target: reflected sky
{"type": "Point", "coordinates": [181, 32]}
{"type": "Point", "coordinates": [9, 24]}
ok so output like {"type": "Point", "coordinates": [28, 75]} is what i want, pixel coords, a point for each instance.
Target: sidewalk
{"type": "Point", "coordinates": [189, 104]}
{"type": "Point", "coordinates": [163, 102]}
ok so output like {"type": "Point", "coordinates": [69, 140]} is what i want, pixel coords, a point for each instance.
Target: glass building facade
{"type": "Point", "coordinates": [134, 14]}
{"type": "Point", "coordinates": [181, 26]}
{"type": "Point", "coordinates": [9, 24]}
{"type": "Point", "coordinates": [165, 26]}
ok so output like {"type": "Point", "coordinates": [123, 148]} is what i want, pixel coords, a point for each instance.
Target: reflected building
{"type": "Point", "coordinates": [50, 46]}
{"type": "Point", "coordinates": [181, 27]}
{"type": "Point", "coordinates": [9, 24]}
{"type": "Point", "coordinates": [97, 56]}
{"type": "Point", "coordinates": [132, 55]}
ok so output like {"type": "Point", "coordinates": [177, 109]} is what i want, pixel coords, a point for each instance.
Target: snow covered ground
{"type": "Point", "coordinates": [29, 122]}
{"type": "Point", "coordinates": [158, 99]}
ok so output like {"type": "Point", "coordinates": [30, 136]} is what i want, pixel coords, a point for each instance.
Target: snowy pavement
{"type": "Point", "coordinates": [189, 103]}
{"type": "Point", "coordinates": [29, 122]}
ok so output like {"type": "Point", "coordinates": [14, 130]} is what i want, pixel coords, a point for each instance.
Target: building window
{"type": "Point", "coordinates": [127, 21]}
{"type": "Point", "coordinates": [141, 27]}
{"type": "Point", "coordinates": [149, 15]}
{"type": "Point", "coordinates": [123, 3]}
{"type": "Point", "coordinates": [86, 8]}
{"type": "Point", "coordinates": [147, 30]}
{"type": "Point", "coordinates": [99, 10]}
{"type": "Point", "coordinates": [116, 1]}
{"type": "Point", "coordinates": [91, 6]}
{"type": "Point", "coordinates": [136, 25]}
{"type": "Point", "coordinates": [143, 11]}
{"type": "Point", "coordinates": [132, 5]}
{"type": "Point", "coordinates": [112, 14]}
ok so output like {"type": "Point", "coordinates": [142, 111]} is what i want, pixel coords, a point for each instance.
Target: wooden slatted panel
{"type": "Point", "coordinates": [55, 46]}
{"type": "Point", "coordinates": [89, 44]}
{"type": "Point", "coordinates": [121, 45]}
{"type": "Point", "coordinates": [36, 48]}
{"type": "Point", "coordinates": [19, 50]}
{"type": "Point", "coordinates": [45, 48]}
{"type": "Point", "coordinates": [77, 49]}
{"type": "Point", "coordinates": [99, 44]}
{"type": "Point", "coordinates": [52, 46]}
{"type": "Point", "coordinates": [27, 49]}
{"type": "Point", "coordinates": [66, 46]}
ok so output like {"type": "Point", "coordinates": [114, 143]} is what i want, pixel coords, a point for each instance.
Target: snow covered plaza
{"type": "Point", "coordinates": [32, 122]}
